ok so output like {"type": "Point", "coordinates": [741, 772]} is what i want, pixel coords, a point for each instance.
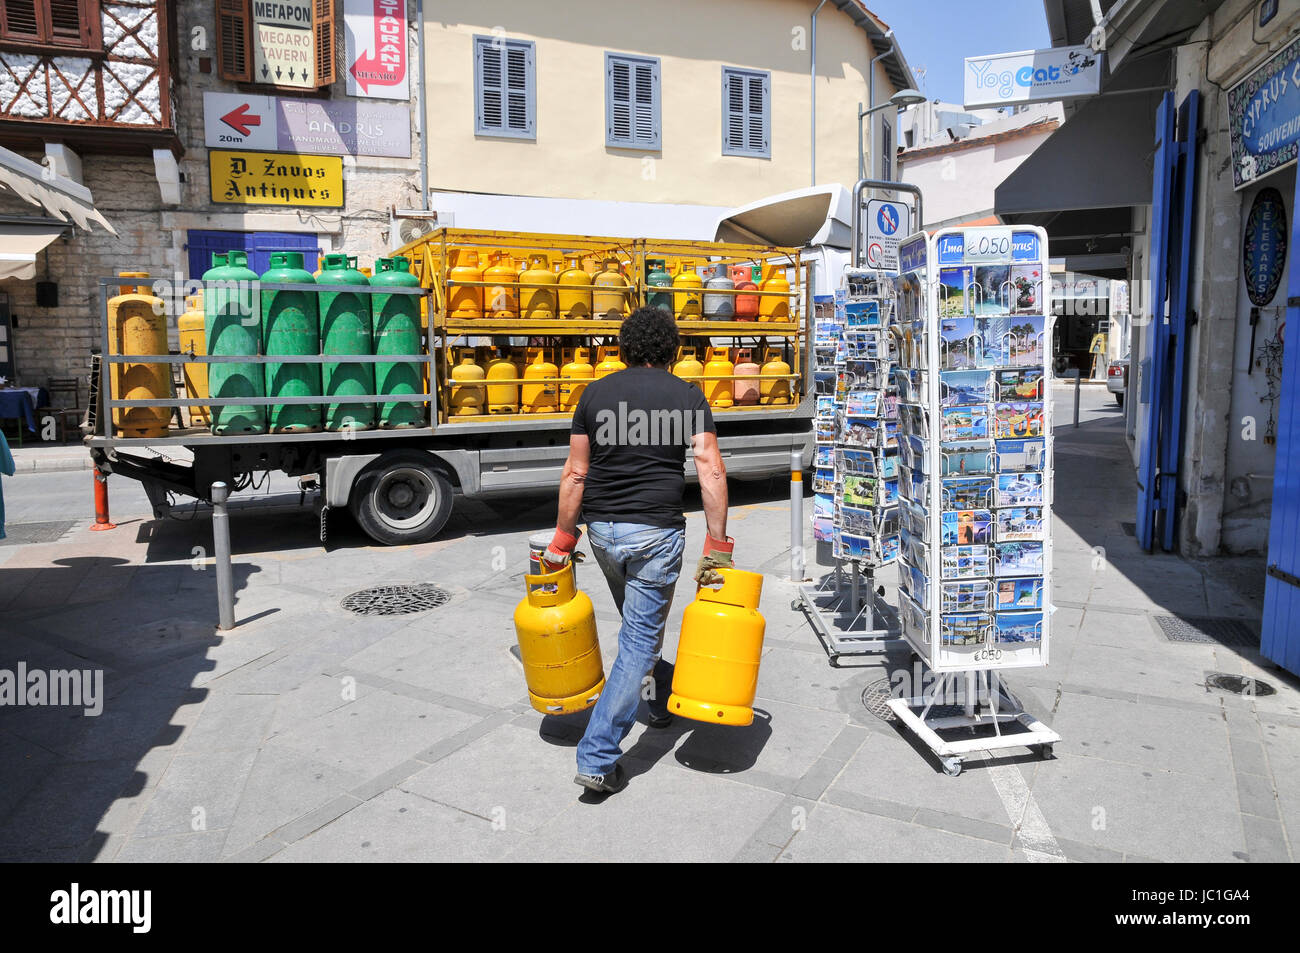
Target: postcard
{"type": "Point", "coordinates": [959, 345]}
{"type": "Point", "coordinates": [823, 481]}
{"type": "Point", "coordinates": [889, 466]}
{"type": "Point", "coordinates": [856, 462]}
{"type": "Point", "coordinates": [1021, 340]}
{"type": "Point", "coordinates": [823, 506]}
{"type": "Point", "coordinates": [858, 491]}
{"type": "Point", "coordinates": [1018, 419]}
{"type": "Point", "coordinates": [1020, 593]}
{"type": "Point", "coordinates": [913, 486]}
{"type": "Point", "coordinates": [1015, 628]}
{"type": "Point", "coordinates": [822, 529]}
{"type": "Point", "coordinates": [1019, 489]}
{"type": "Point", "coordinates": [825, 406]}
{"type": "Point", "coordinates": [854, 547]}
{"type": "Point", "coordinates": [965, 597]}
{"type": "Point", "coordinates": [967, 493]}
{"type": "Point", "coordinates": [1018, 559]}
{"type": "Point", "coordinates": [1019, 523]}
{"type": "Point", "coordinates": [888, 549]}
{"type": "Point", "coordinates": [965, 527]}
{"type": "Point", "coordinates": [964, 423]}
{"type": "Point", "coordinates": [955, 291]}
{"type": "Point", "coordinates": [915, 584]}
{"type": "Point", "coordinates": [992, 289]}
{"type": "Point", "coordinates": [1018, 456]}
{"type": "Point", "coordinates": [964, 629]}
{"type": "Point", "coordinates": [824, 430]}
{"type": "Point", "coordinates": [888, 492]}
{"type": "Point", "coordinates": [862, 403]}
{"type": "Point", "coordinates": [824, 457]}
{"type": "Point", "coordinates": [1027, 280]}
{"type": "Point", "coordinates": [859, 432]}
{"type": "Point", "coordinates": [964, 562]}
{"type": "Point", "coordinates": [861, 314]}
{"type": "Point", "coordinates": [965, 387]}
{"type": "Point", "coordinates": [1024, 383]}
{"type": "Point", "coordinates": [966, 459]}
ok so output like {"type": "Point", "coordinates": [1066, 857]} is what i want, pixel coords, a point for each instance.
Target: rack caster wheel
{"type": "Point", "coordinates": [1044, 751]}
{"type": "Point", "coordinates": [796, 604]}
{"type": "Point", "coordinates": [952, 767]}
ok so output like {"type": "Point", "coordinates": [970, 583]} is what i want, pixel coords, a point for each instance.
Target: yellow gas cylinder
{"type": "Point", "coordinates": [688, 293]}
{"type": "Point", "coordinates": [556, 628]}
{"type": "Point", "coordinates": [537, 304]}
{"type": "Point", "coordinates": [609, 361]}
{"type": "Point", "coordinates": [137, 324]}
{"type": "Point", "coordinates": [688, 366]}
{"type": "Point", "coordinates": [502, 398]}
{"type": "Point", "coordinates": [716, 674]}
{"type": "Point", "coordinates": [747, 378]}
{"type": "Point", "coordinates": [502, 294]}
{"type": "Point", "coordinates": [772, 307]}
{"type": "Point", "coordinates": [465, 301]}
{"type": "Point", "coordinates": [609, 300]}
{"type": "Point", "coordinates": [774, 389]}
{"type": "Point", "coordinates": [193, 340]}
{"type": "Point", "coordinates": [574, 376]}
{"type": "Point", "coordinates": [718, 389]}
{"type": "Point", "coordinates": [575, 302]}
{"type": "Point", "coordinates": [467, 391]}
{"type": "Point", "coordinates": [539, 398]}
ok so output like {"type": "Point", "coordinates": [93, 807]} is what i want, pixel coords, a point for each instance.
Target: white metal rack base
{"type": "Point", "coordinates": [849, 623]}
{"type": "Point", "coordinates": [1001, 707]}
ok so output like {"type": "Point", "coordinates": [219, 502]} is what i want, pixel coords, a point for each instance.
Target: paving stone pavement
{"type": "Point", "coordinates": [311, 734]}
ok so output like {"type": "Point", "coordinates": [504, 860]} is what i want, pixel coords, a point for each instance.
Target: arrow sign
{"type": "Point", "coordinates": [379, 68]}
{"type": "Point", "coordinates": [240, 119]}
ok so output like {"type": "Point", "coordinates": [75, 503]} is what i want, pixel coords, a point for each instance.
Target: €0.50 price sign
{"type": "Point", "coordinates": [275, 178]}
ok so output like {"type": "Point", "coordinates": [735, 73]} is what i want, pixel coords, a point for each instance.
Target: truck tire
{"type": "Point", "coordinates": [401, 498]}
{"type": "Point", "coordinates": [1119, 398]}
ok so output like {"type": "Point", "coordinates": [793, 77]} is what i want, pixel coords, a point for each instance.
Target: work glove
{"type": "Point", "coordinates": [717, 555]}
{"type": "Point", "coordinates": [560, 551]}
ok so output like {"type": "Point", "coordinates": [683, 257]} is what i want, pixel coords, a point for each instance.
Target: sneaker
{"type": "Point", "coordinates": [610, 783]}
{"type": "Point", "coordinates": [659, 721]}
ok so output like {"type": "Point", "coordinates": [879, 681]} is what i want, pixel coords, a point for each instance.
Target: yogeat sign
{"type": "Point", "coordinates": [1032, 76]}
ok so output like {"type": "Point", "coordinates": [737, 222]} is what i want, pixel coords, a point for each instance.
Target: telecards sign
{"type": "Point", "coordinates": [1032, 76]}
{"type": "Point", "coordinates": [1264, 117]}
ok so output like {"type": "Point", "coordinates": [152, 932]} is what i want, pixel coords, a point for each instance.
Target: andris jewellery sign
{"type": "Point", "coordinates": [1264, 117]}
{"type": "Point", "coordinates": [1032, 76]}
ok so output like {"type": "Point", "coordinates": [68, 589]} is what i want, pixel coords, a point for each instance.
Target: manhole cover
{"type": "Point", "coordinates": [1208, 631]}
{"type": "Point", "coordinates": [396, 600]}
{"type": "Point", "coordinates": [875, 698]}
{"type": "Point", "coordinates": [20, 534]}
{"type": "Point", "coordinates": [1239, 684]}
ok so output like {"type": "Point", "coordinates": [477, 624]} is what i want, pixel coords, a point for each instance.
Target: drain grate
{"type": "Point", "coordinates": [1206, 630]}
{"type": "Point", "coordinates": [1130, 529]}
{"type": "Point", "coordinates": [875, 698]}
{"type": "Point", "coordinates": [396, 600]}
{"type": "Point", "coordinates": [20, 534]}
{"type": "Point", "coordinates": [1239, 684]}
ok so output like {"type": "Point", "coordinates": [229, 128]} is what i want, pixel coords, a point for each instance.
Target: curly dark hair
{"type": "Point", "coordinates": [648, 336]}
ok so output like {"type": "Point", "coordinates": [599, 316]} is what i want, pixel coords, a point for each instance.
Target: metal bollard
{"type": "Point", "coordinates": [102, 519]}
{"type": "Point", "coordinates": [221, 552]}
{"type": "Point", "coordinates": [1078, 377]}
{"type": "Point", "coordinates": [796, 516]}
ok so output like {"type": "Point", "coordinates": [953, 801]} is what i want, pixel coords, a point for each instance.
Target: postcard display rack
{"type": "Point", "coordinates": [855, 481]}
{"type": "Point", "coordinates": [973, 336]}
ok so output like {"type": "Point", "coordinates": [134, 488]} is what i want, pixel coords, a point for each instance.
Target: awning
{"type": "Point", "coordinates": [61, 198]}
{"type": "Point", "coordinates": [20, 243]}
{"type": "Point", "coordinates": [818, 215]}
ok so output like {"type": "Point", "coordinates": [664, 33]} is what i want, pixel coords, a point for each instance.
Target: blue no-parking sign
{"type": "Point", "coordinates": [887, 223]}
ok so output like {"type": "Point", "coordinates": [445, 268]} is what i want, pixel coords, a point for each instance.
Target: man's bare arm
{"type": "Point", "coordinates": [572, 482]}
{"type": "Point", "coordinates": [712, 474]}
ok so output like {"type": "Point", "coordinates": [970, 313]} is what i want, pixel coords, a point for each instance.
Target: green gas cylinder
{"type": "Point", "coordinates": [397, 331]}
{"type": "Point", "coordinates": [291, 326]}
{"type": "Point", "coordinates": [233, 322]}
{"type": "Point", "coordinates": [658, 276]}
{"type": "Point", "coordinates": [346, 328]}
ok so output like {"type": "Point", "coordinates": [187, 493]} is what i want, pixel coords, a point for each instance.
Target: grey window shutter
{"type": "Point", "coordinates": [631, 102]}
{"type": "Point", "coordinates": [504, 88]}
{"type": "Point", "coordinates": [746, 113]}
{"type": "Point", "coordinates": [734, 102]}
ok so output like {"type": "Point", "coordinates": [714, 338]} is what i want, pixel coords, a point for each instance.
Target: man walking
{"type": "Point", "coordinates": [625, 475]}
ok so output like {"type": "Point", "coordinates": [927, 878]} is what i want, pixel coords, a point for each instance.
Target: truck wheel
{"type": "Point", "coordinates": [1119, 398]}
{"type": "Point", "coordinates": [402, 498]}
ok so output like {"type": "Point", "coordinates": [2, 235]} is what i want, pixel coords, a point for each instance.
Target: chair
{"type": "Point", "coordinates": [62, 391]}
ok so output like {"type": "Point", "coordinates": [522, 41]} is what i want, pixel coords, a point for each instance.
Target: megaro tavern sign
{"type": "Point", "coordinates": [284, 43]}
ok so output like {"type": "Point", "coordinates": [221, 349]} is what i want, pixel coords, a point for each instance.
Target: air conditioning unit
{"type": "Point", "coordinates": [408, 225]}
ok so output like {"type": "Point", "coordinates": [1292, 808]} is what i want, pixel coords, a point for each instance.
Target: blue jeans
{"type": "Point", "coordinates": [641, 564]}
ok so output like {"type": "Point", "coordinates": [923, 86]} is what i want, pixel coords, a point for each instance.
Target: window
{"type": "Point", "coordinates": [505, 88]}
{"type": "Point", "coordinates": [70, 23]}
{"type": "Point", "coordinates": [235, 29]}
{"type": "Point", "coordinates": [631, 101]}
{"type": "Point", "coordinates": [746, 113]}
{"type": "Point", "coordinates": [886, 151]}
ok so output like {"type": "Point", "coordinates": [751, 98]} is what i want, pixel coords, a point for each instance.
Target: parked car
{"type": "Point", "coordinates": [1117, 379]}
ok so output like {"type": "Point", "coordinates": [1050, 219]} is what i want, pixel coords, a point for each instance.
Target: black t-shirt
{"type": "Point", "coordinates": [640, 422]}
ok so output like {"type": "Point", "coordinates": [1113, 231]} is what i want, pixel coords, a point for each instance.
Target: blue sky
{"type": "Point", "coordinates": [939, 34]}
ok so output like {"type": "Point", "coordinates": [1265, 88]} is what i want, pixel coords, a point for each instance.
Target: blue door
{"type": "Point", "coordinates": [201, 245]}
{"type": "Point", "coordinates": [1173, 211]}
{"type": "Point", "coordinates": [1280, 641]}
